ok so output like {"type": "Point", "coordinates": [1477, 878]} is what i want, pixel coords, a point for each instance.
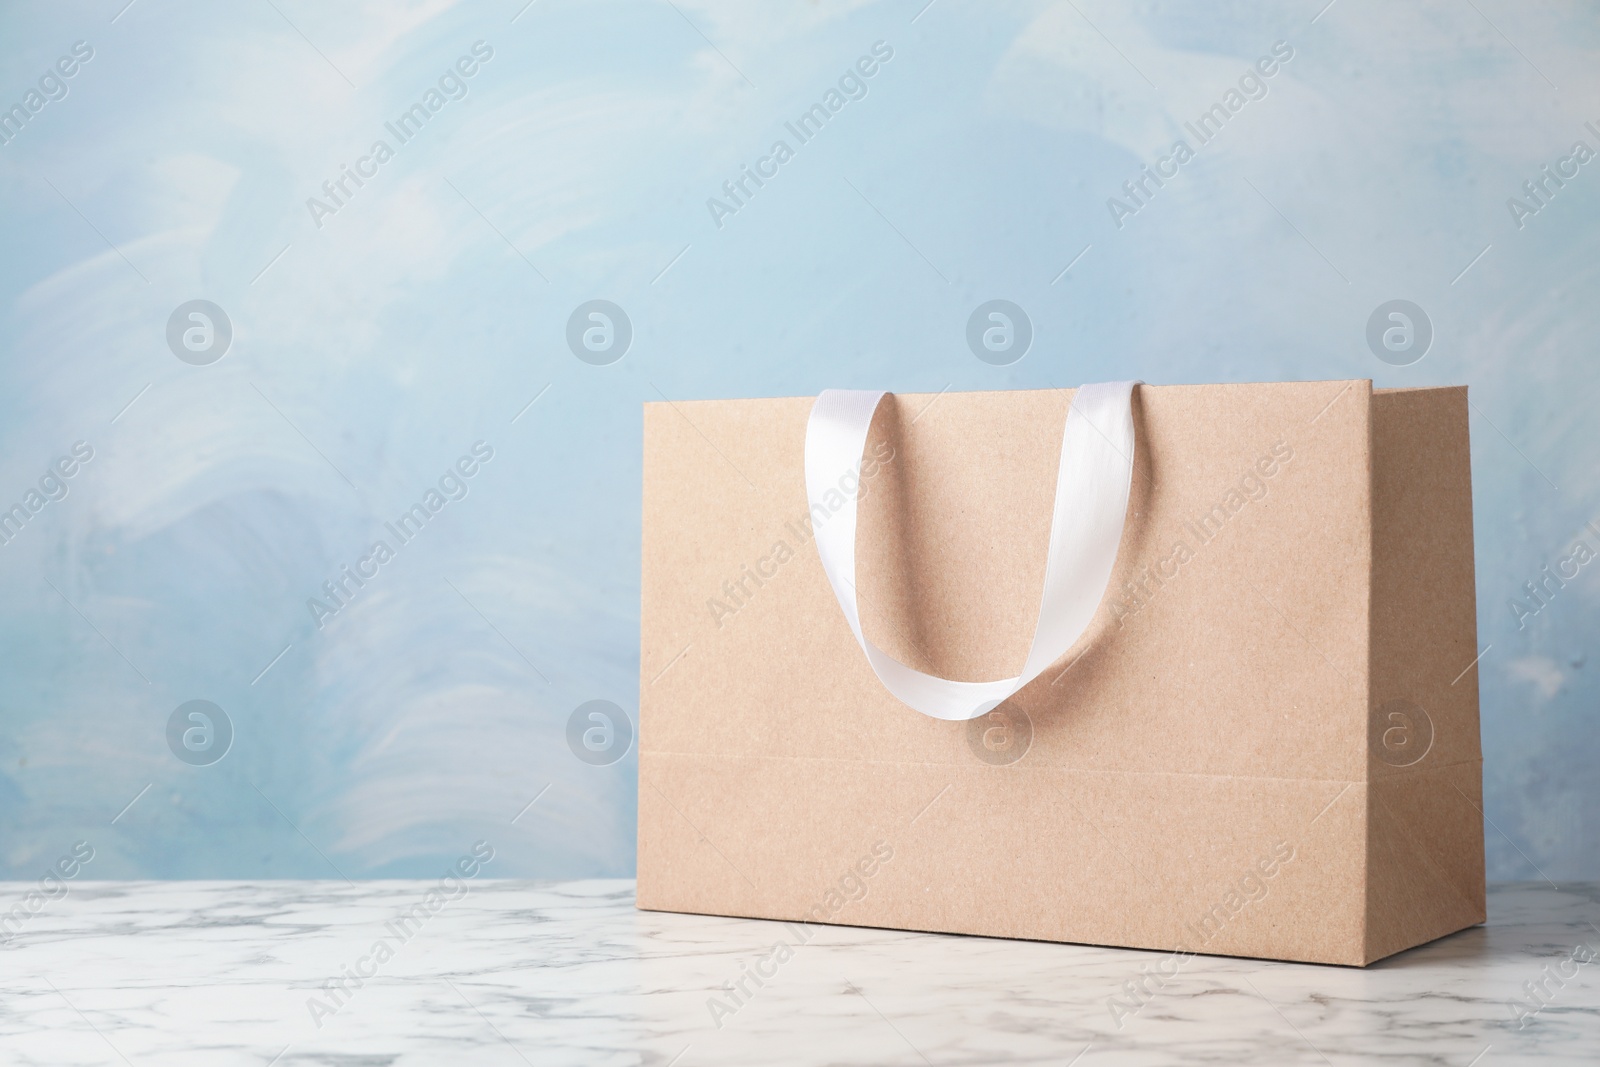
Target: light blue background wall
{"type": "Point", "coordinates": [425, 314]}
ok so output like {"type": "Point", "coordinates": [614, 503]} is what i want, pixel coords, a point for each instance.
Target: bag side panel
{"type": "Point", "coordinates": [1425, 796]}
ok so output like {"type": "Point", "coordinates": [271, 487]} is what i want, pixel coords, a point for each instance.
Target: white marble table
{"type": "Point", "coordinates": [519, 973]}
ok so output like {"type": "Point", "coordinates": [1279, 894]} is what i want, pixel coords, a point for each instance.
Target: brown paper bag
{"type": "Point", "coordinates": [1265, 745]}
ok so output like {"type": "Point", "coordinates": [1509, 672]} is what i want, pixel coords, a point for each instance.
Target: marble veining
{"type": "Point", "coordinates": [570, 973]}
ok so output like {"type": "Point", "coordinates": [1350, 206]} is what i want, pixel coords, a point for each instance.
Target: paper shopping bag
{"type": "Point", "coordinates": [1188, 669]}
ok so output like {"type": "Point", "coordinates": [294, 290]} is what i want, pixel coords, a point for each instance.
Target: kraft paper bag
{"type": "Point", "coordinates": [1260, 739]}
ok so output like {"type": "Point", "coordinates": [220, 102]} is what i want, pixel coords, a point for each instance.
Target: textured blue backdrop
{"type": "Point", "coordinates": [565, 152]}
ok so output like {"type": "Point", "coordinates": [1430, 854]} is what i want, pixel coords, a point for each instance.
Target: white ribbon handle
{"type": "Point", "coordinates": [1091, 505]}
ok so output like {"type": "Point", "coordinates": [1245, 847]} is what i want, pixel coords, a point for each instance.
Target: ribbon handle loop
{"type": "Point", "coordinates": [1093, 482]}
